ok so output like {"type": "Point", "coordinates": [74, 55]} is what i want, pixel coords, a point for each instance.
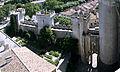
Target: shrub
{"type": "Point", "coordinates": [42, 55]}
{"type": "Point", "coordinates": [21, 44]}
{"type": "Point", "coordinates": [51, 61]}
{"type": "Point", "coordinates": [18, 39]}
{"type": "Point", "coordinates": [51, 52]}
{"type": "Point", "coordinates": [54, 53]}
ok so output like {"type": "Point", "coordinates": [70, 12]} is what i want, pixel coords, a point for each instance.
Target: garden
{"type": "Point", "coordinates": [52, 56]}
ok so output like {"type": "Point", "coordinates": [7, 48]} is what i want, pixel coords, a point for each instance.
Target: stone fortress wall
{"type": "Point", "coordinates": [42, 20]}
{"type": "Point", "coordinates": [81, 20]}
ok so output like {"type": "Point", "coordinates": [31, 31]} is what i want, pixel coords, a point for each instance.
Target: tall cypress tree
{"type": "Point", "coordinates": [13, 26]}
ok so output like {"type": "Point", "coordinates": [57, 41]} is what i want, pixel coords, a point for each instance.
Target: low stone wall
{"type": "Point", "coordinates": [26, 28]}
{"type": "Point", "coordinates": [59, 33]}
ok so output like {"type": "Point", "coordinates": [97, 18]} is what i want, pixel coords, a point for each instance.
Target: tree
{"type": "Point", "coordinates": [31, 8]}
{"type": "Point", "coordinates": [7, 8]}
{"type": "Point", "coordinates": [68, 3]}
{"type": "Point", "coordinates": [32, 36]}
{"type": "Point", "coordinates": [16, 1]}
{"type": "Point", "coordinates": [63, 20]}
{"type": "Point", "coordinates": [20, 33]}
{"type": "Point", "coordinates": [46, 37]}
{"type": "Point", "coordinates": [1, 15]}
{"type": "Point", "coordinates": [4, 11]}
{"type": "Point", "coordinates": [50, 4]}
{"type": "Point", "coordinates": [25, 1]}
{"type": "Point", "coordinates": [67, 44]}
{"type": "Point", "coordinates": [12, 30]}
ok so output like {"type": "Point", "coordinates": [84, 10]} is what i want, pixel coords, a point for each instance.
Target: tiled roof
{"type": "Point", "coordinates": [33, 62]}
{"type": "Point", "coordinates": [24, 60]}
{"type": "Point", "coordinates": [10, 63]}
{"type": "Point", "coordinates": [82, 7]}
{"type": "Point", "coordinates": [69, 12]}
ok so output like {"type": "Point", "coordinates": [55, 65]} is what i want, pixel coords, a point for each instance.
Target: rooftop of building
{"type": "Point", "coordinates": [24, 60]}
{"type": "Point", "coordinates": [61, 26]}
{"type": "Point", "coordinates": [83, 7]}
{"type": "Point", "coordinates": [11, 63]}
{"type": "Point", "coordinates": [30, 22]}
{"type": "Point", "coordinates": [68, 12]}
{"type": "Point", "coordinates": [93, 16]}
{"type": "Point", "coordinates": [33, 62]}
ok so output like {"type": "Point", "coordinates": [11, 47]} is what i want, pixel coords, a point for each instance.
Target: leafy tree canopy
{"type": "Point", "coordinates": [50, 4]}
{"type": "Point", "coordinates": [63, 20]}
{"type": "Point", "coordinates": [46, 37]}
{"type": "Point", "coordinates": [31, 8]}
{"type": "Point", "coordinates": [4, 11]}
{"type": "Point", "coordinates": [67, 44]}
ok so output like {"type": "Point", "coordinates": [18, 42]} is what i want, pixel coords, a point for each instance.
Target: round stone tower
{"type": "Point", "coordinates": [108, 32]}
